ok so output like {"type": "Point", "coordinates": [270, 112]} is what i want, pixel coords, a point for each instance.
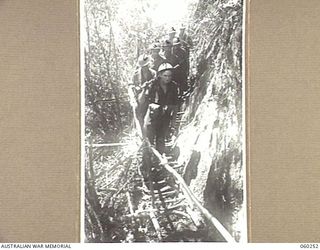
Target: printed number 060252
{"type": "Point", "coordinates": [309, 246]}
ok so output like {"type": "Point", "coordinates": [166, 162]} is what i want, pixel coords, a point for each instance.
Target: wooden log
{"type": "Point", "coordinates": [193, 216]}
{"type": "Point", "coordinates": [175, 200]}
{"type": "Point", "coordinates": [214, 221]}
{"type": "Point", "coordinates": [156, 224]}
{"type": "Point", "coordinates": [129, 203]}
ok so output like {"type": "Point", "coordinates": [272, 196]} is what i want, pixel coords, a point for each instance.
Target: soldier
{"type": "Point", "coordinates": [142, 75]}
{"type": "Point", "coordinates": [181, 65]}
{"type": "Point", "coordinates": [155, 54]}
{"type": "Point", "coordinates": [162, 95]}
{"type": "Point", "coordinates": [167, 52]}
{"type": "Point", "coordinates": [171, 34]}
{"type": "Point", "coordinates": [186, 41]}
{"type": "Point", "coordinates": [143, 72]}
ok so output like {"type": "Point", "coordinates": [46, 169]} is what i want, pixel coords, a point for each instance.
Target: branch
{"type": "Point", "coordinates": [89, 207]}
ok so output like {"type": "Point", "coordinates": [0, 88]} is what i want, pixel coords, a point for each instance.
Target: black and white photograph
{"type": "Point", "coordinates": [163, 130]}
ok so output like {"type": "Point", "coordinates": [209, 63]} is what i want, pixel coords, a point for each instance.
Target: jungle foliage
{"type": "Point", "coordinates": [210, 140]}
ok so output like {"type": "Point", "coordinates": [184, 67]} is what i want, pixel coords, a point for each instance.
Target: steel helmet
{"type": "Point", "coordinates": [165, 66]}
{"type": "Point", "coordinates": [176, 41]}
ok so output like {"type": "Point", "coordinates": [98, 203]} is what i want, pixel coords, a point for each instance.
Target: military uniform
{"type": "Point", "coordinates": [157, 61]}
{"type": "Point", "coordinates": [159, 113]}
{"type": "Point", "coordinates": [181, 64]}
{"type": "Point", "coordinates": [186, 42]}
{"type": "Point", "coordinates": [139, 80]}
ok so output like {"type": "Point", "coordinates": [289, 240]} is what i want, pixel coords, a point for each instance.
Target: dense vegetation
{"type": "Point", "coordinates": [210, 139]}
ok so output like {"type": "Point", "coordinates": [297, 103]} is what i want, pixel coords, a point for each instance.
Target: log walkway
{"type": "Point", "coordinates": [167, 202]}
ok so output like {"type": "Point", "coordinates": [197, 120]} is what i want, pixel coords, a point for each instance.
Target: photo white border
{"type": "Point", "coordinates": [245, 167]}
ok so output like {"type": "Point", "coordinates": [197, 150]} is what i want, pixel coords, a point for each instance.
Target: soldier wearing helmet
{"type": "Point", "coordinates": [162, 95]}
{"type": "Point", "coordinates": [167, 52]}
{"type": "Point", "coordinates": [155, 54]}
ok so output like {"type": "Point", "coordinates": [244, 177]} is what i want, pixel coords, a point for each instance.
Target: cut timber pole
{"type": "Point", "coordinates": [215, 222]}
{"type": "Point", "coordinates": [224, 232]}
{"type": "Point", "coordinates": [155, 224]}
{"type": "Point", "coordinates": [129, 203]}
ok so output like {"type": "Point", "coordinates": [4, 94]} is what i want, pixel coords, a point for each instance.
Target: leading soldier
{"type": "Point", "coordinates": [162, 95]}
